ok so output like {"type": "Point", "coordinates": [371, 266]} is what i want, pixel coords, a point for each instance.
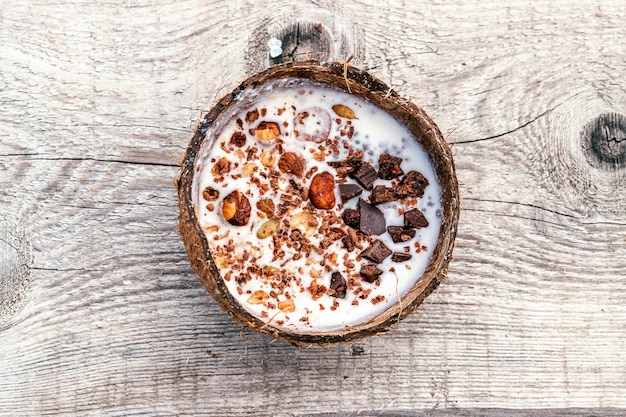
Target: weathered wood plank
{"type": "Point", "coordinates": [98, 102]}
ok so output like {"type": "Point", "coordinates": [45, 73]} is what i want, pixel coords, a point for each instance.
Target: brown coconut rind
{"type": "Point", "coordinates": [413, 118]}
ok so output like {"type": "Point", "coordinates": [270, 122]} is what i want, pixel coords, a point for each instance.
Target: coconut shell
{"type": "Point", "coordinates": [360, 83]}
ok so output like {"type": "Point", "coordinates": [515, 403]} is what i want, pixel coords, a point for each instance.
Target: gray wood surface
{"type": "Point", "coordinates": [100, 313]}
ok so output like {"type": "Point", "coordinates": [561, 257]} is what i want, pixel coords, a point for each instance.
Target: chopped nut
{"type": "Point", "coordinates": [268, 228]}
{"type": "Point", "coordinates": [292, 163]}
{"type": "Point", "coordinates": [236, 208]}
{"type": "Point", "coordinates": [267, 132]}
{"type": "Point", "coordinates": [305, 222]}
{"type": "Point", "coordinates": [258, 297]}
{"type": "Point", "coordinates": [322, 191]}
{"type": "Point", "coordinates": [248, 169]}
{"type": "Point", "coordinates": [269, 270]}
{"type": "Point", "coordinates": [268, 159]}
{"type": "Point", "coordinates": [266, 205]}
{"type": "Point", "coordinates": [287, 306]}
{"type": "Point", "coordinates": [252, 116]}
{"type": "Point", "coordinates": [221, 167]}
{"type": "Point", "coordinates": [344, 111]}
{"type": "Point", "coordinates": [210, 194]}
{"type": "Point", "coordinates": [238, 139]}
{"type": "Point", "coordinates": [221, 262]}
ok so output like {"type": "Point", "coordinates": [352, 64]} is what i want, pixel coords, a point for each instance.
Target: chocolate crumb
{"type": "Point", "coordinates": [401, 234]}
{"type": "Point", "coordinates": [348, 243]}
{"type": "Point", "coordinates": [372, 220]}
{"type": "Point", "coordinates": [389, 167]}
{"type": "Point", "coordinates": [338, 285]}
{"type": "Point", "coordinates": [349, 191]}
{"type": "Point", "coordinates": [365, 174]}
{"type": "Point", "coordinates": [400, 257]}
{"type": "Point", "coordinates": [370, 273]}
{"type": "Point", "coordinates": [210, 194]}
{"type": "Point", "coordinates": [382, 194]}
{"type": "Point", "coordinates": [376, 252]}
{"type": "Point", "coordinates": [415, 218]}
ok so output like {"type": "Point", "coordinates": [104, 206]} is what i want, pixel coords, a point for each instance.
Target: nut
{"type": "Point", "coordinates": [292, 163]}
{"type": "Point", "coordinates": [267, 132]}
{"type": "Point", "coordinates": [210, 194]}
{"type": "Point", "coordinates": [222, 166]}
{"type": "Point", "coordinates": [268, 159]}
{"type": "Point", "coordinates": [252, 115]}
{"type": "Point", "coordinates": [266, 205]}
{"type": "Point", "coordinates": [248, 169]}
{"type": "Point", "coordinates": [236, 208]}
{"type": "Point", "coordinates": [238, 139]}
{"type": "Point", "coordinates": [268, 228]}
{"type": "Point", "coordinates": [322, 191]}
{"type": "Point", "coordinates": [287, 306]}
{"type": "Point", "coordinates": [258, 297]}
{"type": "Point", "coordinates": [305, 222]}
{"type": "Point", "coordinates": [344, 111]}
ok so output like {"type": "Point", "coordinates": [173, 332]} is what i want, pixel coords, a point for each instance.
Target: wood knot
{"type": "Point", "coordinates": [604, 141]}
{"type": "Point", "coordinates": [302, 41]}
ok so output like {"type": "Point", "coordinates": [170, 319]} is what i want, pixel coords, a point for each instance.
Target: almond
{"type": "Point", "coordinates": [322, 191]}
{"type": "Point", "coordinates": [344, 111]}
{"type": "Point", "coordinates": [268, 158]}
{"type": "Point", "coordinates": [292, 163]}
{"type": "Point", "coordinates": [222, 166]}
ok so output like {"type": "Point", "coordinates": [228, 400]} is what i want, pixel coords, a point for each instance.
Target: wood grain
{"type": "Point", "coordinates": [98, 101]}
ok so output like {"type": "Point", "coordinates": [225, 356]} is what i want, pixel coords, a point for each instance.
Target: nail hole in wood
{"type": "Point", "coordinates": [304, 40]}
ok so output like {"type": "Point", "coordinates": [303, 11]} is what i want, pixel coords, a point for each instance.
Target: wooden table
{"type": "Point", "coordinates": [100, 313]}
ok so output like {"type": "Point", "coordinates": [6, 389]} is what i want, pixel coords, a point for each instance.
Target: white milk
{"type": "Point", "coordinates": [375, 132]}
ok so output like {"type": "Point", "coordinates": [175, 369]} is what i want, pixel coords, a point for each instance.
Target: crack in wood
{"type": "Point", "coordinates": [517, 203]}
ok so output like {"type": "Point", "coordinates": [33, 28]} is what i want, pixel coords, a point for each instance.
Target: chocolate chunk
{"type": "Point", "coordinates": [349, 191]}
{"type": "Point", "coordinates": [376, 252]}
{"type": "Point", "coordinates": [401, 234]}
{"type": "Point", "coordinates": [415, 218]}
{"type": "Point", "coordinates": [372, 219]}
{"type": "Point", "coordinates": [389, 167]}
{"type": "Point", "coordinates": [338, 285]}
{"type": "Point", "coordinates": [382, 194]}
{"type": "Point", "coordinates": [370, 273]}
{"type": "Point", "coordinates": [412, 184]}
{"type": "Point", "coordinates": [400, 257]}
{"type": "Point", "coordinates": [365, 174]}
{"type": "Point", "coordinates": [352, 218]}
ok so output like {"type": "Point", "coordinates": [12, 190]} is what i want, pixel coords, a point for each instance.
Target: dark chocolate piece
{"type": "Point", "coordinates": [370, 273]}
{"type": "Point", "coordinates": [400, 257]}
{"type": "Point", "coordinates": [389, 167]}
{"type": "Point", "coordinates": [352, 218]}
{"type": "Point", "coordinates": [349, 191]}
{"type": "Point", "coordinates": [382, 194]}
{"type": "Point", "coordinates": [338, 285]}
{"type": "Point", "coordinates": [412, 184]}
{"type": "Point", "coordinates": [415, 218]}
{"type": "Point", "coordinates": [376, 252]}
{"type": "Point", "coordinates": [401, 234]}
{"type": "Point", "coordinates": [365, 174]}
{"type": "Point", "coordinates": [372, 219]}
